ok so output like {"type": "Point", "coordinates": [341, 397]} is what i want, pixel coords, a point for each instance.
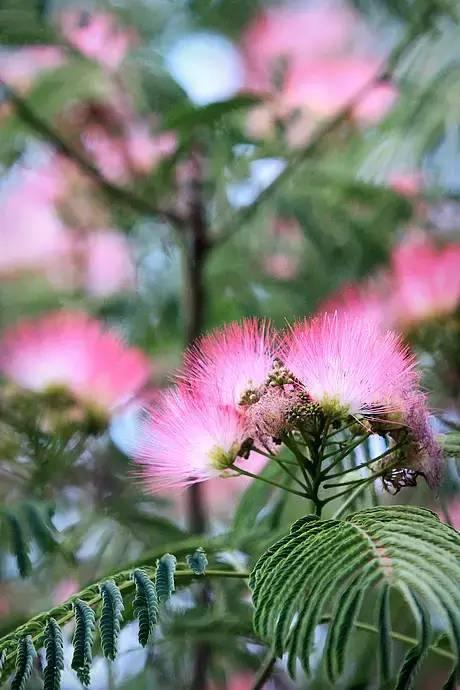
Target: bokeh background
{"type": "Point", "coordinates": [167, 167]}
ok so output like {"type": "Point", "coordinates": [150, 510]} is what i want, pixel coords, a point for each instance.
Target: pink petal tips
{"type": "Point", "coordinates": [348, 365]}
{"type": "Point", "coordinates": [187, 439]}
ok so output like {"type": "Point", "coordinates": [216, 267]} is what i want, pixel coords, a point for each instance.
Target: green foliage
{"type": "Point", "coordinates": [40, 526]}
{"type": "Point", "coordinates": [111, 617]}
{"type": "Point", "coordinates": [24, 663]}
{"type": "Point", "coordinates": [85, 623]}
{"type": "Point", "coordinates": [19, 544]}
{"type": "Point", "coordinates": [164, 580]}
{"type": "Point", "coordinates": [323, 570]}
{"type": "Point", "coordinates": [26, 522]}
{"type": "Point", "coordinates": [45, 628]}
{"type": "Point", "coordinates": [54, 647]}
{"type": "Point", "coordinates": [190, 116]}
{"type": "Point", "coordinates": [197, 562]}
{"type": "Point", "coordinates": [145, 605]}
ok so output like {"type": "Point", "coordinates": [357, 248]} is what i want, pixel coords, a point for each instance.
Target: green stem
{"type": "Point", "coordinates": [444, 653]}
{"type": "Point", "coordinates": [290, 473]}
{"type": "Point", "coordinates": [354, 494]}
{"type": "Point", "coordinates": [291, 444]}
{"type": "Point", "coordinates": [369, 462]}
{"type": "Point", "coordinates": [342, 455]}
{"type": "Point", "coordinates": [264, 671]}
{"type": "Point", "coordinates": [269, 481]}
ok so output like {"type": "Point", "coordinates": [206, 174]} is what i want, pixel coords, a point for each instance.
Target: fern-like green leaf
{"type": "Point", "coordinates": [41, 527]}
{"type": "Point", "coordinates": [54, 649]}
{"type": "Point", "coordinates": [111, 617]}
{"type": "Point", "coordinates": [145, 605]}
{"type": "Point", "coordinates": [19, 544]}
{"type": "Point", "coordinates": [164, 580]}
{"type": "Point", "coordinates": [326, 568]}
{"type": "Point", "coordinates": [2, 662]}
{"type": "Point", "coordinates": [197, 561]}
{"type": "Point", "coordinates": [384, 626]}
{"type": "Point", "coordinates": [414, 656]}
{"type": "Point", "coordinates": [85, 623]}
{"type": "Point", "coordinates": [24, 663]}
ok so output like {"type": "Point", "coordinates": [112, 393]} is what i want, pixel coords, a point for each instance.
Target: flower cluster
{"type": "Point", "coordinates": [423, 283]}
{"type": "Point", "coordinates": [72, 353]}
{"type": "Point", "coordinates": [246, 388]}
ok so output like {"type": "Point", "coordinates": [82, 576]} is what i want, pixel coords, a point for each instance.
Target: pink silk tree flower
{"type": "Point", "coordinates": [426, 281]}
{"type": "Point", "coordinates": [98, 36]}
{"type": "Point", "coordinates": [73, 352]}
{"type": "Point", "coordinates": [425, 452]}
{"type": "Point", "coordinates": [186, 439]}
{"type": "Point", "coordinates": [233, 362]}
{"type": "Point", "coordinates": [348, 365]}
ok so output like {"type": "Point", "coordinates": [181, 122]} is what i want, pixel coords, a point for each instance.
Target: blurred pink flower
{"type": "Point", "coordinates": [75, 352]}
{"type": "Point", "coordinates": [349, 365]}
{"type": "Point", "coordinates": [310, 63]}
{"type": "Point", "coordinates": [367, 301]}
{"type": "Point", "coordinates": [145, 150]}
{"type": "Point", "coordinates": [408, 183]}
{"type": "Point", "coordinates": [31, 233]}
{"type": "Point", "coordinates": [326, 87]}
{"type": "Point", "coordinates": [281, 266]}
{"type": "Point", "coordinates": [292, 34]}
{"type": "Point", "coordinates": [425, 280]}
{"type": "Point", "coordinates": [20, 66]}
{"type": "Point", "coordinates": [137, 151]}
{"type": "Point", "coordinates": [239, 681]}
{"type": "Point", "coordinates": [422, 283]}
{"type": "Point", "coordinates": [65, 589]}
{"type": "Point", "coordinates": [109, 267]}
{"type": "Point", "coordinates": [98, 36]}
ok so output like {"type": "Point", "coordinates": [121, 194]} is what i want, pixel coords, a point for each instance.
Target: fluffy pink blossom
{"type": "Point", "coordinates": [232, 362]}
{"type": "Point", "coordinates": [186, 438]}
{"type": "Point", "coordinates": [426, 280]}
{"type": "Point", "coordinates": [98, 36]}
{"type": "Point", "coordinates": [73, 351]}
{"type": "Point", "coordinates": [424, 451]}
{"type": "Point", "coordinates": [20, 66]}
{"type": "Point", "coordinates": [348, 365]}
